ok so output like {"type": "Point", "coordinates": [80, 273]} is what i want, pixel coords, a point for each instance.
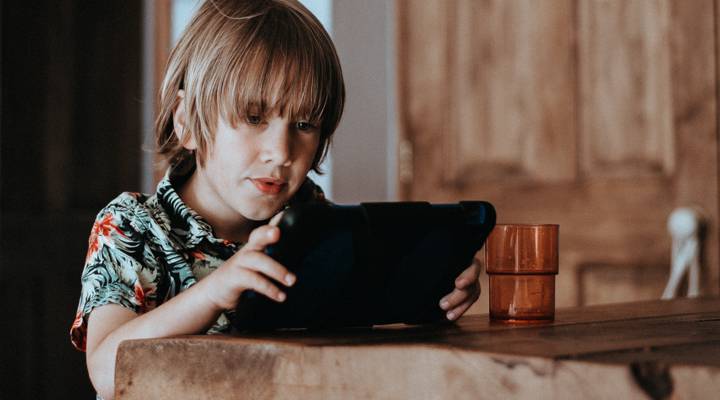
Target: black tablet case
{"type": "Point", "coordinates": [368, 264]}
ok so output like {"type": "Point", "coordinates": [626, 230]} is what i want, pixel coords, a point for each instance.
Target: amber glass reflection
{"type": "Point", "coordinates": [522, 261]}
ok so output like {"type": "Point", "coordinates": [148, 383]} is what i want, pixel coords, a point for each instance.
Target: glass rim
{"type": "Point", "coordinates": [528, 225]}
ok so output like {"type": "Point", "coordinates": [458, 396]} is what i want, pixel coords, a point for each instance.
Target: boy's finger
{"type": "Point", "coordinates": [261, 237]}
{"type": "Point", "coordinates": [264, 264]}
{"type": "Point", "coordinates": [259, 283]}
{"type": "Point", "coordinates": [468, 276]}
{"type": "Point", "coordinates": [276, 219]}
{"type": "Point", "coordinates": [453, 299]}
{"type": "Point", "coordinates": [458, 311]}
{"type": "Point", "coordinates": [457, 296]}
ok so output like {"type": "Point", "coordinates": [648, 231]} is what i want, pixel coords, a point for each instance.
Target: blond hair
{"type": "Point", "coordinates": [236, 57]}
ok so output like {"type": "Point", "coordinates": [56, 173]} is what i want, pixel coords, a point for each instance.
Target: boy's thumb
{"type": "Point", "coordinates": [274, 221]}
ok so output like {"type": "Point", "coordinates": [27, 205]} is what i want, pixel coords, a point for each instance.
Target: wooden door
{"type": "Point", "coordinates": [600, 116]}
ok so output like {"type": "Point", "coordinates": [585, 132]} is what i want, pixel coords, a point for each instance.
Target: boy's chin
{"type": "Point", "coordinates": [261, 214]}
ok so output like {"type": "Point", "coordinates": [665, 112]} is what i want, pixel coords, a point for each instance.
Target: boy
{"type": "Point", "coordinates": [251, 97]}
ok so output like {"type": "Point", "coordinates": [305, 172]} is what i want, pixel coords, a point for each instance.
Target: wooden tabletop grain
{"type": "Point", "coordinates": [655, 349]}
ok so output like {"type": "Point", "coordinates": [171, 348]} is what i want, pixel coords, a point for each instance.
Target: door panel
{"type": "Point", "coordinates": [625, 88]}
{"type": "Point", "coordinates": [597, 115]}
{"type": "Point", "coordinates": [521, 131]}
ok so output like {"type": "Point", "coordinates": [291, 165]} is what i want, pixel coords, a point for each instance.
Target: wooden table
{"type": "Point", "coordinates": [657, 349]}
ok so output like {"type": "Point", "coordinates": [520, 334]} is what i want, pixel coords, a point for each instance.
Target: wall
{"type": "Point", "coordinates": [365, 143]}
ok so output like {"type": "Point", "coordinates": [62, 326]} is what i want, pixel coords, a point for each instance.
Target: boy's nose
{"type": "Point", "coordinates": [276, 145]}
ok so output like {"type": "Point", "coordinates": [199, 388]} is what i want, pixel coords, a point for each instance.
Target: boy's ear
{"type": "Point", "coordinates": [179, 123]}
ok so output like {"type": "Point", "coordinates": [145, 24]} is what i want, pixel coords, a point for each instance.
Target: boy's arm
{"type": "Point", "coordinates": [191, 311]}
{"type": "Point", "coordinates": [188, 312]}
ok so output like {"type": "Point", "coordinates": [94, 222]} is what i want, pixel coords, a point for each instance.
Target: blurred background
{"type": "Point", "coordinates": [598, 115]}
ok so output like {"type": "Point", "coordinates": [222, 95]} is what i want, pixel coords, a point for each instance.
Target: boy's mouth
{"type": "Point", "coordinates": [269, 185]}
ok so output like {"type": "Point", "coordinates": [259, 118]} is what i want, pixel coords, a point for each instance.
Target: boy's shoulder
{"type": "Point", "coordinates": [128, 200]}
{"type": "Point", "coordinates": [128, 203]}
{"type": "Point", "coordinates": [133, 210]}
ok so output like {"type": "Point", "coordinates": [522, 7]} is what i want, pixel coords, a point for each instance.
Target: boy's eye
{"type": "Point", "coordinates": [305, 126]}
{"type": "Point", "coordinates": [253, 119]}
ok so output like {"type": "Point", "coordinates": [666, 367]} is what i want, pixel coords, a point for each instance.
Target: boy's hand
{"type": "Point", "coordinates": [466, 292]}
{"type": "Point", "coordinates": [250, 268]}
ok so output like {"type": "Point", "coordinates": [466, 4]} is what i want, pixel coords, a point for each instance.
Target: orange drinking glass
{"type": "Point", "coordinates": [521, 262]}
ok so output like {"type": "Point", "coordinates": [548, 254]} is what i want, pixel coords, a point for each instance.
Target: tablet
{"type": "Point", "coordinates": [368, 264]}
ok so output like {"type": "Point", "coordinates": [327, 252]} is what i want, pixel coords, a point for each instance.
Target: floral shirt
{"type": "Point", "coordinates": [143, 250]}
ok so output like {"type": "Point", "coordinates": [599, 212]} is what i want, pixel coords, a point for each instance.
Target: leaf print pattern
{"type": "Point", "coordinates": [143, 250]}
{"type": "Point", "coordinates": [100, 230]}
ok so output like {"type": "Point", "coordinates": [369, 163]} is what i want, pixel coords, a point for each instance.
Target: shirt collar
{"type": "Point", "coordinates": [184, 221]}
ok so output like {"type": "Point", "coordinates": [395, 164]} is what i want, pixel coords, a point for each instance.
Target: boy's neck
{"type": "Point", "coordinates": [232, 227]}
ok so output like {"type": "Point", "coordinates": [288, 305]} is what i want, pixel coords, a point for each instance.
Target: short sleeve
{"type": "Point", "coordinates": [112, 268]}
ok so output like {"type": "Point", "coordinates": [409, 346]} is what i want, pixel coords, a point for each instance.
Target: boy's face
{"type": "Point", "coordinates": [253, 169]}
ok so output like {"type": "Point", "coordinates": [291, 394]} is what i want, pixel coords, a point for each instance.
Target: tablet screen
{"type": "Point", "coordinates": [368, 264]}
